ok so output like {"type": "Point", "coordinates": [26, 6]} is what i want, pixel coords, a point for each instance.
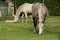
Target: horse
{"type": "Point", "coordinates": [24, 9]}
{"type": "Point", "coordinates": [39, 14]}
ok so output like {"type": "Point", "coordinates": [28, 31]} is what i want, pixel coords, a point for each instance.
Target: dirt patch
{"type": "Point", "coordinates": [52, 25]}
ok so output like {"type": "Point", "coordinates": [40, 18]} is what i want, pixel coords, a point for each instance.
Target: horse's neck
{"type": "Point", "coordinates": [18, 11]}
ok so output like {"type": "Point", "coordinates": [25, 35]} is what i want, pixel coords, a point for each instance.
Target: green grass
{"type": "Point", "coordinates": [52, 29]}
{"type": "Point", "coordinates": [24, 31]}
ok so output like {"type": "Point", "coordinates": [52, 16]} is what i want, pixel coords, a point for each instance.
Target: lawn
{"type": "Point", "coordinates": [24, 31]}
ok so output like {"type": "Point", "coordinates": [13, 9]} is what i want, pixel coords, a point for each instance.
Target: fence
{"type": "Point", "coordinates": [5, 10]}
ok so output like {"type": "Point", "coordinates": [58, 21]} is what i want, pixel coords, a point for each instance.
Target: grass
{"type": "Point", "coordinates": [52, 29]}
{"type": "Point", "coordinates": [24, 31]}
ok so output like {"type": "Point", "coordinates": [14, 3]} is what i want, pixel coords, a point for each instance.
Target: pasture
{"type": "Point", "coordinates": [24, 31]}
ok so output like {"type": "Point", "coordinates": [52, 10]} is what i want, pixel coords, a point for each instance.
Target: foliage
{"type": "Point", "coordinates": [52, 5]}
{"type": "Point", "coordinates": [2, 0]}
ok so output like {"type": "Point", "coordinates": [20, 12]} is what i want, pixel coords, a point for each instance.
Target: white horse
{"type": "Point", "coordinates": [39, 13]}
{"type": "Point", "coordinates": [24, 8]}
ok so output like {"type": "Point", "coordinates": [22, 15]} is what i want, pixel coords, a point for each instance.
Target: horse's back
{"type": "Point", "coordinates": [26, 7]}
{"type": "Point", "coordinates": [37, 7]}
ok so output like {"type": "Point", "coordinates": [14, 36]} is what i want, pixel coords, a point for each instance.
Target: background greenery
{"type": "Point", "coordinates": [52, 5]}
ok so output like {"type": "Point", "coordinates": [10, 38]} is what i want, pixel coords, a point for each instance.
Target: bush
{"type": "Point", "coordinates": [52, 5]}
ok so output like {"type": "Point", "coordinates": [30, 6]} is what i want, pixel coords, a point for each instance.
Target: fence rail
{"type": "Point", "coordinates": [5, 10]}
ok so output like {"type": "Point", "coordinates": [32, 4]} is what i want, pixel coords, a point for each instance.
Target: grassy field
{"type": "Point", "coordinates": [24, 31]}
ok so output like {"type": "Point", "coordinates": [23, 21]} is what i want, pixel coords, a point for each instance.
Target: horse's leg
{"type": "Point", "coordinates": [26, 17]}
{"type": "Point", "coordinates": [41, 25]}
{"type": "Point", "coordinates": [35, 24]}
{"type": "Point", "coordinates": [22, 18]}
